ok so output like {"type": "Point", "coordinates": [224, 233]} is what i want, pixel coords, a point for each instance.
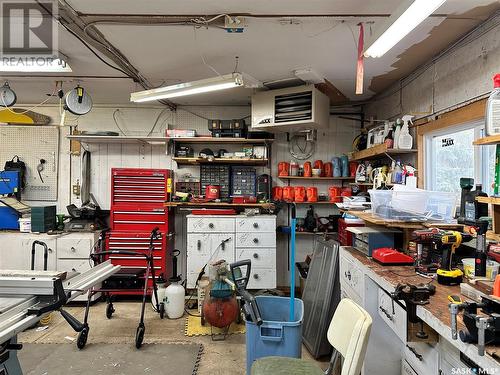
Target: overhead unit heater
{"type": "Point", "coordinates": [290, 109]}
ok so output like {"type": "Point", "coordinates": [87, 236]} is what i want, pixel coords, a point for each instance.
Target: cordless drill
{"type": "Point", "coordinates": [449, 241]}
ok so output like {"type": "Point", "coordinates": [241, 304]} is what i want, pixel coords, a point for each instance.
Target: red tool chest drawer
{"type": "Point", "coordinates": [345, 237]}
{"type": "Point", "coordinates": [138, 242]}
{"type": "Point", "coordinates": [131, 186]}
{"type": "Point", "coordinates": [139, 218]}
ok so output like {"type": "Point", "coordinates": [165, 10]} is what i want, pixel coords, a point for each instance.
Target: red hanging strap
{"type": "Point", "coordinates": [360, 70]}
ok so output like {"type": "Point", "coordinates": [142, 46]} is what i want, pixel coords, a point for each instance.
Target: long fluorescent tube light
{"type": "Point", "coordinates": [406, 17]}
{"type": "Point", "coordinates": [34, 64]}
{"type": "Point", "coordinates": [224, 82]}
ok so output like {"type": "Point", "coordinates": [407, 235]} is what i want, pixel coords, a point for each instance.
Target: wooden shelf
{"type": "Point", "coordinates": [117, 139]}
{"type": "Point", "coordinates": [319, 202]}
{"type": "Point", "coordinates": [197, 161]}
{"type": "Point", "coordinates": [313, 233]}
{"type": "Point", "coordinates": [491, 140]}
{"type": "Point", "coordinates": [315, 178]}
{"type": "Point", "coordinates": [491, 200]}
{"type": "Point", "coordinates": [220, 140]}
{"type": "Point", "coordinates": [267, 206]}
{"type": "Point", "coordinates": [378, 151]}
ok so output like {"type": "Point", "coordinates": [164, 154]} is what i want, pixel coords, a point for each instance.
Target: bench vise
{"type": "Point", "coordinates": [482, 329]}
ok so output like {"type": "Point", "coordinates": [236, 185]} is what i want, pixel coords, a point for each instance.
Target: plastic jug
{"type": "Point", "coordinates": [344, 161]}
{"type": "Point", "coordinates": [337, 168]}
{"type": "Point", "coordinates": [493, 108]}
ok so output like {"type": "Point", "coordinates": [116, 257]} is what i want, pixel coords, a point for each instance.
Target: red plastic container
{"type": "Point", "coordinates": [277, 193]}
{"type": "Point", "coordinates": [300, 194]}
{"type": "Point", "coordinates": [312, 194]}
{"type": "Point", "coordinates": [288, 194]}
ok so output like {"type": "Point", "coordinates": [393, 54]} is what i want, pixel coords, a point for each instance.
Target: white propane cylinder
{"type": "Point", "coordinates": [174, 300]}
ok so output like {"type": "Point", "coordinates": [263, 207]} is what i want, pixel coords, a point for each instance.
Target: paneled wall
{"type": "Point", "coordinates": [334, 140]}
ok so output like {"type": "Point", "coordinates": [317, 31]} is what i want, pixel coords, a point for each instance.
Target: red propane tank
{"type": "Point", "coordinates": [220, 312]}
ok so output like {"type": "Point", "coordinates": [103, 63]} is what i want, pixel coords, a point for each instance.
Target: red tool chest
{"type": "Point", "coordinates": [345, 237]}
{"type": "Point", "coordinates": [137, 207]}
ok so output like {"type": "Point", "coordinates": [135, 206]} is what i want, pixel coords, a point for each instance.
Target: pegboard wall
{"type": "Point", "coordinates": [32, 144]}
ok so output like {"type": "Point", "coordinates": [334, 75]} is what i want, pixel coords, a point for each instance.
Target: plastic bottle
{"type": "Point", "coordinates": [344, 161]}
{"type": "Point", "coordinates": [492, 116]}
{"type": "Point", "coordinates": [396, 134]}
{"type": "Point", "coordinates": [405, 140]}
{"type": "Point", "coordinates": [389, 139]}
{"type": "Point", "coordinates": [175, 293]}
{"type": "Point", "coordinates": [398, 173]}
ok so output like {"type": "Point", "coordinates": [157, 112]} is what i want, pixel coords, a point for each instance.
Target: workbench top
{"type": "Point", "coordinates": [436, 313]}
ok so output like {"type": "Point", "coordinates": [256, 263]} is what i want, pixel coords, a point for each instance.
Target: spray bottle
{"type": "Point", "coordinates": [397, 133]}
{"type": "Point", "coordinates": [405, 140]}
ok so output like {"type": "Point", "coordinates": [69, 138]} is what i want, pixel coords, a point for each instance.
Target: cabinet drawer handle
{"type": "Point", "coordinates": [348, 275]}
{"type": "Point", "coordinates": [255, 240]}
{"type": "Point", "coordinates": [255, 255]}
{"type": "Point", "coordinates": [198, 245]}
{"type": "Point", "coordinates": [211, 225]}
{"type": "Point", "coordinates": [255, 276]}
{"type": "Point", "coordinates": [73, 249]}
{"type": "Point", "coordinates": [255, 225]}
{"type": "Point", "coordinates": [412, 349]}
{"type": "Point", "coordinates": [386, 313]}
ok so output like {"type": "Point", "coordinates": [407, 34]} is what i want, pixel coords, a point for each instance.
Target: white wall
{"type": "Point", "coordinates": [334, 140]}
{"type": "Point", "coordinates": [453, 78]}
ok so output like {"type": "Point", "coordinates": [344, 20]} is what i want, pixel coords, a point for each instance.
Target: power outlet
{"type": "Point", "coordinates": [76, 189]}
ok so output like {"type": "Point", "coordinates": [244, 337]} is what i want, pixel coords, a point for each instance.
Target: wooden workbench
{"type": "Point", "coordinates": [407, 227]}
{"type": "Point", "coordinates": [435, 314]}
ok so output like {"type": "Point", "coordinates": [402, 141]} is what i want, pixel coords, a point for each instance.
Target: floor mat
{"type": "Point", "coordinates": [194, 328]}
{"type": "Point", "coordinates": [115, 359]}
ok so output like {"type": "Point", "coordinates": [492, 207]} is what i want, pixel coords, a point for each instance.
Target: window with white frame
{"type": "Point", "coordinates": [450, 155]}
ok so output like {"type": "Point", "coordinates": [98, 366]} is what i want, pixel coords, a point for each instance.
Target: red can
{"type": "Point", "coordinates": [328, 169]}
{"type": "Point", "coordinates": [353, 166]}
{"type": "Point", "coordinates": [283, 169]}
{"type": "Point", "coordinates": [288, 193]}
{"type": "Point", "coordinates": [277, 193]}
{"type": "Point", "coordinates": [334, 194]}
{"type": "Point", "coordinates": [300, 194]}
{"type": "Point", "coordinates": [307, 169]}
{"type": "Point", "coordinates": [312, 194]}
{"type": "Point", "coordinates": [318, 164]}
{"type": "Point", "coordinates": [212, 192]}
{"type": "Point", "coordinates": [346, 192]}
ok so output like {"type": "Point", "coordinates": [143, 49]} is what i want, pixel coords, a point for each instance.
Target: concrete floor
{"type": "Point", "coordinates": [223, 357]}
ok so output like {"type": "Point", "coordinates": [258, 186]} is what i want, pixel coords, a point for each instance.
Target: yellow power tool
{"type": "Point", "coordinates": [449, 241]}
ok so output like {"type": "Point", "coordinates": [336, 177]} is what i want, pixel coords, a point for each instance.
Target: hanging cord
{"type": "Point", "coordinates": [32, 108]}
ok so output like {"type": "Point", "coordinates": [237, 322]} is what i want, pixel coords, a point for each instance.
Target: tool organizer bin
{"type": "Point", "coordinates": [137, 207]}
{"type": "Point", "coordinates": [216, 174]}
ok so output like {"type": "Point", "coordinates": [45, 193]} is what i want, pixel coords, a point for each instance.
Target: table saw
{"type": "Point", "coordinates": [28, 296]}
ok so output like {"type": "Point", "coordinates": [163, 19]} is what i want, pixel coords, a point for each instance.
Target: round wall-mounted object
{"type": "Point", "coordinates": [7, 96]}
{"type": "Point", "coordinates": [77, 101]}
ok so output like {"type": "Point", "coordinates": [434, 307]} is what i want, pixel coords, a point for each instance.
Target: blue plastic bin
{"type": "Point", "coordinates": [277, 336]}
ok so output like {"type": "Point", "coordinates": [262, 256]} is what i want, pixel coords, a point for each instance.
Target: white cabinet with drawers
{"type": "Point", "coordinates": [233, 238]}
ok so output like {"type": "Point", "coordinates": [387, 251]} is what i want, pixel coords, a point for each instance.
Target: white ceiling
{"type": "Point", "coordinates": [267, 49]}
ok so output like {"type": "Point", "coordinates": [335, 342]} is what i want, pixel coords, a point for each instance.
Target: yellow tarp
{"type": "Point", "coordinates": [194, 328]}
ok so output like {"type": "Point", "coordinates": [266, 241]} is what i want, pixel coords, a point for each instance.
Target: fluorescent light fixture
{"type": "Point", "coordinates": [34, 64]}
{"type": "Point", "coordinates": [224, 82]}
{"type": "Point", "coordinates": [406, 17]}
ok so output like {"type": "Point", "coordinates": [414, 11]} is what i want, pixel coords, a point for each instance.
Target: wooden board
{"type": "Point", "coordinates": [491, 140]}
{"type": "Point", "coordinates": [196, 161]}
{"type": "Point", "coordinates": [220, 140]}
{"type": "Point", "coordinates": [266, 206]}
{"type": "Point", "coordinates": [314, 178]}
{"type": "Point", "coordinates": [378, 151]}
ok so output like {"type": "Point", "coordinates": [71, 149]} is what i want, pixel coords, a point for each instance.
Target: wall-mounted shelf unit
{"type": "Point", "coordinates": [266, 206]}
{"type": "Point", "coordinates": [490, 140]}
{"type": "Point", "coordinates": [301, 178]}
{"type": "Point", "coordinates": [377, 152]}
{"type": "Point", "coordinates": [215, 140]}
{"type": "Point", "coordinates": [117, 139]}
{"type": "Point", "coordinates": [197, 161]}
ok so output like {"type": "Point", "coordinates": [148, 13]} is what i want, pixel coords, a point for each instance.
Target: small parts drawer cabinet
{"type": "Point", "coordinates": [233, 238]}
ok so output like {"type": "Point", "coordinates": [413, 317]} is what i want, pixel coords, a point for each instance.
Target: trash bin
{"type": "Point", "coordinates": [277, 335]}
